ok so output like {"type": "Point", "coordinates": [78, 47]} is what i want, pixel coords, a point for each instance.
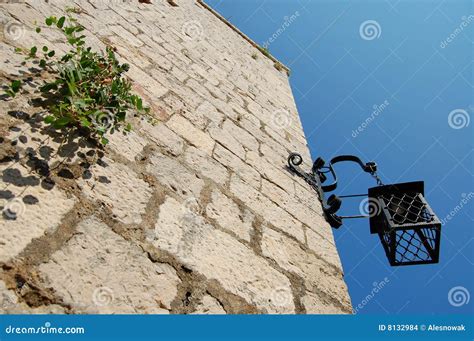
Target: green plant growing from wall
{"type": "Point", "coordinates": [13, 88]}
{"type": "Point", "coordinates": [89, 90]}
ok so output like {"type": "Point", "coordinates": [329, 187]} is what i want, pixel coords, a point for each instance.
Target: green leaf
{"type": "Point", "coordinates": [69, 30]}
{"type": "Point", "coordinates": [61, 21]}
{"type": "Point", "coordinates": [42, 63]}
{"type": "Point", "coordinates": [48, 86]}
{"type": "Point", "coordinates": [72, 87]}
{"type": "Point", "coordinates": [49, 119]}
{"type": "Point", "coordinates": [15, 86]}
{"type": "Point", "coordinates": [51, 53]}
{"type": "Point", "coordinates": [85, 122]}
{"type": "Point", "coordinates": [45, 48]}
{"type": "Point", "coordinates": [38, 29]}
{"type": "Point", "coordinates": [33, 51]}
{"type": "Point", "coordinates": [128, 127]}
{"type": "Point", "coordinates": [62, 121]}
{"type": "Point", "coordinates": [104, 140]}
{"type": "Point", "coordinates": [49, 21]}
{"type": "Point", "coordinates": [18, 50]}
{"type": "Point", "coordinates": [139, 103]}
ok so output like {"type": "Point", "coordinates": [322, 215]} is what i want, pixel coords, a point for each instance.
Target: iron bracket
{"type": "Point", "coordinates": [317, 176]}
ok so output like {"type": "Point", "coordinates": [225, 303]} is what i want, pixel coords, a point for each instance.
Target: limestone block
{"type": "Point", "coordinates": [229, 216]}
{"type": "Point", "coordinates": [270, 171]}
{"type": "Point", "coordinates": [243, 137]}
{"type": "Point", "coordinates": [317, 275]}
{"type": "Point", "coordinates": [218, 256]}
{"type": "Point", "coordinates": [315, 305]}
{"type": "Point", "coordinates": [174, 175]}
{"type": "Point", "coordinates": [128, 145]}
{"type": "Point", "coordinates": [163, 137]}
{"type": "Point", "coordinates": [29, 210]}
{"type": "Point", "coordinates": [293, 205]}
{"type": "Point", "coordinates": [207, 110]}
{"type": "Point", "coordinates": [98, 271]}
{"type": "Point", "coordinates": [235, 164]}
{"type": "Point", "coordinates": [119, 188]}
{"type": "Point", "coordinates": [324, 248]}
{"type": "Point", "coordinates": [9, 304]}
{"type": "Point", "coordinates": [190, 133]}
{"type": "Point", "coordinates": [209, 305]}
{"type": "Point", "coordinates": [205, 165]}
{"type": "Point", "coordinates": [227, 140]}
{"type": "Point", "coordinates": [260, 204]}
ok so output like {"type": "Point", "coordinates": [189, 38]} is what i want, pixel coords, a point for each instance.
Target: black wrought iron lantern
{"type": "Point", "coordinates": [407, 227]}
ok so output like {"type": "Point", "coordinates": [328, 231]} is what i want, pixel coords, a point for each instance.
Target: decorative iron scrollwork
{"type": "Point", "coordinates": [408, 229]}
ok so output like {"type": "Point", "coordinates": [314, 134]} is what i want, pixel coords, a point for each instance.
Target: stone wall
{"type": "Point", "coordinates": [196, 214]}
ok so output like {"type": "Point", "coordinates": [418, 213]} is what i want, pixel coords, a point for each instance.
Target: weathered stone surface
{"type": "Point", "coordinates": [100, 272]}
{"type": "Point", "coordinates": [174, 175]}
{"type": "Point", "coordinates": [228, 159]}
{"type": "Point", "coordinates": [321, 241]}
{"type": "Point", "coordinates": [229, 216]}
{"type": "Point", "coordinates": [120, 189]}
{"type": "Point", "coordinates": [164, 137]}
{"type": "Point", "coordinates": [218, 256]}
{"type": "Point", "coordinates": [227, 140]}
{"type": "Point", "coordinates": [194, 136]}
{"type": "Point", "coordinates": [270, 171]}
{"type": "Point", "coordinates": [28, 210]}
{"type": "Point", "coordinates": [257, 202]}
{"type": "Point", "coordinates": [209, 305]}
{"type": "Point", "coordinates": [9, 304]}
{"type": "Point", "coordinates": [205, 165]}
{"type": "Point", "coordinates": [315, 305]}
{"type": "Point", "coordinates": [243, 137]}
{"type": "Point", "coordinates": [318, 276]}
{"type": "Point", "coordinates": [128, 145]}
{"type": "Point", "coordinates": [324, 248]}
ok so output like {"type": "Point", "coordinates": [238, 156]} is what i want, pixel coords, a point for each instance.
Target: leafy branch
{"type": "Point", "coordinates": [89, 89]}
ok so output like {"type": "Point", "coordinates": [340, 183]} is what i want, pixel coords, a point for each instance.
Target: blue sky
{"type": "Point", "coordinates": [417, 56]}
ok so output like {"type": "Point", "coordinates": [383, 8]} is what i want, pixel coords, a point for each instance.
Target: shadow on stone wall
{"type": "Point", "coordinates": [45, 155]}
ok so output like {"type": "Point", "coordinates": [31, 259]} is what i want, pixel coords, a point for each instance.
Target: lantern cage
{"type": "Point", "coordinates": [408, 229]}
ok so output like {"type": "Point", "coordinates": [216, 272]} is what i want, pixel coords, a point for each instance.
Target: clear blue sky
{"type": "Point", "coordinates": [337, 77]}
